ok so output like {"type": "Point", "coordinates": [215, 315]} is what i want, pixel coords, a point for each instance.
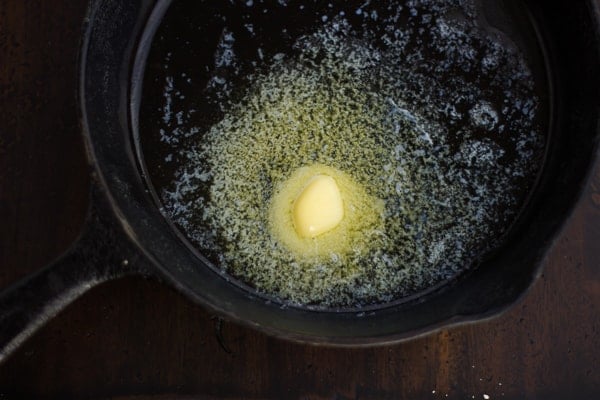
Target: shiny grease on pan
{"type": "Point", "coordinates": [430, 109]}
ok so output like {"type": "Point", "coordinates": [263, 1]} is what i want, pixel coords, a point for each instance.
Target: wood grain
{"type": "Point", "coordinates": [137, 339]}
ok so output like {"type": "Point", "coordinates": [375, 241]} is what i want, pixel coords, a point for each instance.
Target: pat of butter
{"type": "Point", "coordinates": [318, 208]}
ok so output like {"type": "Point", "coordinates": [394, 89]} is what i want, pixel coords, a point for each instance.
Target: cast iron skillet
{"type": "Point", "coordinates": [126, 234]}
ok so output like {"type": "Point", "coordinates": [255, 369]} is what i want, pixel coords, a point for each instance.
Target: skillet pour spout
{"type": "Point", "coordinates": [127, 233]}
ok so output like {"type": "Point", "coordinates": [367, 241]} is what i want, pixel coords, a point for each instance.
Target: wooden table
{"type": "Point", "coordinates": [135, 337]}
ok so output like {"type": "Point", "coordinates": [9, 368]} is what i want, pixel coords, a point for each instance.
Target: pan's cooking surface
{"type": "Point", "coordinates": [429, 108]}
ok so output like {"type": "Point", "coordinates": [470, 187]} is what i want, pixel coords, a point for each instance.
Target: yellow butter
{"type": "Point", "coordinates": [318, 208]}
{"type": "Point", "coordinates": [362, 215]}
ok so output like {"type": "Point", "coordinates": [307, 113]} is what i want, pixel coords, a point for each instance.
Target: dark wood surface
{"type": "Point", "coordinates": [136, 337]}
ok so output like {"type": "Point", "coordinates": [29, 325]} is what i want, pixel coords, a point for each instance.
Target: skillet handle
{"type": "Point", "coordinates": [104, 251]}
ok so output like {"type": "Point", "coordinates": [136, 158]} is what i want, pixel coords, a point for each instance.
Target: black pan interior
{"type": "Point", "coordinates": [177, 96]}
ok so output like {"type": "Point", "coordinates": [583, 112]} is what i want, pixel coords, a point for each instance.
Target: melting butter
{"type": "Point", "coordinates": [321, 212]}
{"type": "Point", "coordinates": [318, 208]}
